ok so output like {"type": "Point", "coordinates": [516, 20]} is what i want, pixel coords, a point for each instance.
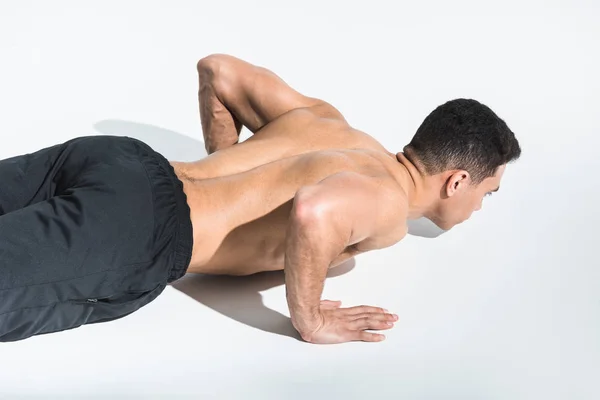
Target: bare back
{"type": "Point", "coordinates": [241, 197]}
{"type": "Point", "coordinates": [296, 132]}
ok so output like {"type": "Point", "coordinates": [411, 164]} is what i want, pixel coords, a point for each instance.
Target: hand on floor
{"type": "Point", "coordinates": [339, 325]}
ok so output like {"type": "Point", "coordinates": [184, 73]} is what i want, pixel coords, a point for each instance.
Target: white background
{"type": "Point", "coordinates": [505, 306]}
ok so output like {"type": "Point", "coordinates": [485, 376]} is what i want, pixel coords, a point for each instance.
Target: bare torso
{"type": "Point", "coordinates": [241, 197]}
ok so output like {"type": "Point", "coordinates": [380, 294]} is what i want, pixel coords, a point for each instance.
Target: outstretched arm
{"type": "Point", "coordinates": [233, 92]}
{"type": "Point", "coordinates": [345, 209]}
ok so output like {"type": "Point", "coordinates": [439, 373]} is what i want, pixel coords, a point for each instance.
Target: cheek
{"type": "Point", "coordinates": [456, 212]}
{"type": "Point", "coordinates": [475, 200]}
{"type": "Point", "coordinates": [468, 207]}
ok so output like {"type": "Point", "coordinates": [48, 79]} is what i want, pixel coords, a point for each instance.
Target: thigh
{"type": "Point", "coordinates": [26, 179]}
{"type": "Point", "coordinates": [84, 161]}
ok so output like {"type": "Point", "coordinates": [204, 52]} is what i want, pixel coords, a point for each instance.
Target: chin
{"type": "Point", "coordinates": [446, 227]}
{"type": "Point", "coordinates": [443, 225]}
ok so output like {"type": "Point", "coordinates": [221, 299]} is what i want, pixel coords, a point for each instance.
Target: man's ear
{"type": "Point", "coordinates": [457, 182]}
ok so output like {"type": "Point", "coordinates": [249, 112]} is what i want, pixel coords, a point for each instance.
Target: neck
{"type": "Point", "coordinates": [422, 190]}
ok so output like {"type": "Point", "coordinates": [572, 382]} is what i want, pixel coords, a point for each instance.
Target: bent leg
{"type": "Point", "coordinates": [27, 179]}
{"type": "Point", "coordinates": [96, 234]}
{"type": "Point", "coordinates": [76, 237]}
{"type": "Point", "coordinates": [60, 268]}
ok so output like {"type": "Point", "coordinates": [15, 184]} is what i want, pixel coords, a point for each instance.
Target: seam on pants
{"type": "Point", "coordinates": [32, 308]}
{"type": "Point", "coordinates": [69, 301]}
{"type": "Point", "coordinates": [78, 277]}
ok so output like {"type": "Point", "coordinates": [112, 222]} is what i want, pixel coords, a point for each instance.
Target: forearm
{"type": "Point", "coordinates": [219, 127]}
{"type": "Point", "coordinates": [311, 246]}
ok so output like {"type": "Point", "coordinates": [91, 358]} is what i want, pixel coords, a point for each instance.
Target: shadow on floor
{"type": "Point", "coordinates": [173, 145]}
{"type": "Point", "coordinates": [239, 297]}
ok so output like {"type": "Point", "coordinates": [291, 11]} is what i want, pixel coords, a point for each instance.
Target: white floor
{"type": "Point", "coordinates": [504, 307]}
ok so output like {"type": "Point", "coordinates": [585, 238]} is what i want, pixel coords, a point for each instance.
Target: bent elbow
{"type": "Point", "coordinates": [214, 62]}
{"type": "Point", "coordinates": [209, 62]}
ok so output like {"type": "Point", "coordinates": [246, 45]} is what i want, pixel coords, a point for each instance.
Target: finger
{"type": "Point", "coordinates": [369, 337]}
{"type": "Point", "coordinates": [364, 310]}
{"type": "Point", "coordinates": [331, 303]}
{"type": "Point", "coordinates": [365, 323]}
{"type": "Point", "coordinates": [376, 316]}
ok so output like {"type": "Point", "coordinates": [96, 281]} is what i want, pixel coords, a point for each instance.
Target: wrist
{"type": "Point", "coordinates": [307, 322]}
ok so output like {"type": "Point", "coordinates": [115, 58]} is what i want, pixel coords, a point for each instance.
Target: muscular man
{"type": "Point", "coordinates": [94, 228]}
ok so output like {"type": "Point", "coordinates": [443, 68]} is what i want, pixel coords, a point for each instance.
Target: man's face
{"type": "Point", "coordinates": [460, 198]}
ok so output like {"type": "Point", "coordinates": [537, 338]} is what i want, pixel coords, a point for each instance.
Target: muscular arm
{"type": "Point", "coordinates": [344, 209]}
{"type": "Point", "coordinates": [233, 92]}
{"type": "Point", "coordinates": [219, 127]}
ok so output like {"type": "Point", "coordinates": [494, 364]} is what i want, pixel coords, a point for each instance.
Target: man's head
{"type": "Point", "coordinates": [464, 147]}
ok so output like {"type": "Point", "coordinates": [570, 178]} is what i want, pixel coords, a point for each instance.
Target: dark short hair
{"type": "Point", "coordinates": [464, 134]}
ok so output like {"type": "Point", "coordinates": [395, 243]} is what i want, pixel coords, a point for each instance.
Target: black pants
{"type": "Point", "coordinates": [90, 231]}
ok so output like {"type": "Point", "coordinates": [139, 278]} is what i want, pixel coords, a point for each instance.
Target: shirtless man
{"type": "Point", "coordinates": [107, 222]}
